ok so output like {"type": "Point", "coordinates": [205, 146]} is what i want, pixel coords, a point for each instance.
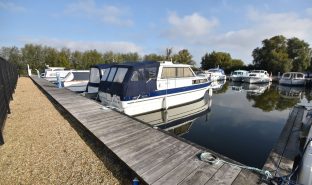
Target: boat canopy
{"type": "Point", "coordinates": [96, 72]}
{"type": "Point", "coordinates": [130, 80]}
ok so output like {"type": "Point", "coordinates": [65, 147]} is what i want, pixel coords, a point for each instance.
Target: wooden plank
{"type": "Point", "coordinates": [165, 166]}
{"type": "Point", "coordinates": [248, 177]}
{"type": "Point", "coordinates": [202, 174]}
{"type": "Point", "coordinates": [225, 175]}
{"type": "Point", "coordinates": [282, 156]}
{"type": "Point", "coordinates": [139, 144]}
{"type": "Point", "coordinates": [110, 133]}
{"type": "Point", "coordinates": [149, 162]}
{"type": "Point", "coordinates": [176, 175]}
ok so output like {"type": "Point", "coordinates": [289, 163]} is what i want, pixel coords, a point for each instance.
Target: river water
{"type": "Point", "coordinates": [240, 121]}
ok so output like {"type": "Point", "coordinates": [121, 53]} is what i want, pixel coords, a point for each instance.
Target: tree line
{"type": "Point", "coordinates": [277, 54]}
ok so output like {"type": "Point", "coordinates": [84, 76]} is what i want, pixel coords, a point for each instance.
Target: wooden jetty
{"type": "Point", "coordinates": [155, 156]}
{"type": "Point", "coordinates": [282, 157]}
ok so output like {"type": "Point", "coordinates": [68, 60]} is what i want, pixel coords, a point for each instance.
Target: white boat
{"type": "Point", "coordinates": [292, 78]}
{"type": "Point", "coordinates": [238, 75]}
{"type": "Point", "coordinates": [217, 85]}
{"type": "Point", "coordinates": [50, 73]}
{"type": "Point", "coordinates": [76, 80]}
{"type": "Point", "coordinates": [214, 74]}
{"type": "Point", "coordinates": [96, 73]}
{"type": "Point", "coordinates": [141, 87]}
{"type": "Point", "coordinates": [258, 76]}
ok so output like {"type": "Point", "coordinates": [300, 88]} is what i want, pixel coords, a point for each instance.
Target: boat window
{"type": "Point", "coordinates": [111, 74]}
{"type": "Point", "coordinates": [94, 75]}
{"type": "Point", "coordinates": [105, 75]}
{"type": "Point", "coordinates": [136, 76]}
{"type": "Point", "coordinates": [188, 72]}
{"type": "Point", "coordinates": [287, 75]}
{"type": "Point", "coordinates": [120, 75]}
{"type": "Point", "coordinates": [180, 72]}
{"type": "Point", "coordinates": [150, 72]}
{"type": "Point", "coordinates": [299, 75]}
{"type": "Point", "coordinates": [252, 75]}
{"type": "Point", "coordinates": [168, 72]}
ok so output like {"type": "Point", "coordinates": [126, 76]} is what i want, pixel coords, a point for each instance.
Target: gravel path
{"type": "Point", "coordinates": [42, 147]}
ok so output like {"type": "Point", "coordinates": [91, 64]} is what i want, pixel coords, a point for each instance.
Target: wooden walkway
{"type": "Point", "coordinates": [281, 159]}
{"type": "Point", "coordinates": [155, 156]}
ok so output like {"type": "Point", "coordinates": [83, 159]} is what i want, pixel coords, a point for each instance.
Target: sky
{"type": "Point", "coordinates": [200, 26]}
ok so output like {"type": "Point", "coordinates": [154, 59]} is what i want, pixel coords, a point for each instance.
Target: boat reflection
{"type": "Point", "coordinates": [256, 89]}
{"type": "Point", "coordinates": [178, 119]}
{"type": "Point", "coordinates": [291, 91]}
{"type": "Point", "coordinates": [251, 89]}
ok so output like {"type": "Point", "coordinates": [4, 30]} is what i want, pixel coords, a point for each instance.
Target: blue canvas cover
{"type": "Point", "coordinates": [139, 81]}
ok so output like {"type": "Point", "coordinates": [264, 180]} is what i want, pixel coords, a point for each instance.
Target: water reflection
{"type": "Point", "coordinates": [178, 115]}
{"type": "Point", "coordinates": [241, 121]}
{"type": "Point", "coordinates": [219, 87]}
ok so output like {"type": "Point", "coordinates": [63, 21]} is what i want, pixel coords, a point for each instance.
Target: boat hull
{"type": "Point", "coordinates": [76, 86]}
{"type": "Point", "coordinates": [154, 103]}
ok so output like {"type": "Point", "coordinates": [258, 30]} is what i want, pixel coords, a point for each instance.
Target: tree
{"type": "Point", "coordinates": [183, 57]}
{"type": "Point", "coordinates": [63, 59]}
{"type": "Point", "coordinates": [33, 55]}
{"type": "Point", "coordinates": [273, 55]}
{"type": "Point", "coordinates": [299, 53]}
{"type": "Point", "coordinates": [50, 56]}
{"type": "Point", "coordinates": [153, 57]}
{"type": "Point", "coordinates": [216, 59]}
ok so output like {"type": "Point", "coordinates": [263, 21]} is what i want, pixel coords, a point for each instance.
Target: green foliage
{"type": "Point", "coordinates": [183, 57]}
{"type": "Point", "coordinates": [154, 57]}
{"type": "Point", "coordinates": [299, 53]}
{"type": "Point", "coordinates": [222, 60]}
{"type": "Point", "coordinates": [281, 55]}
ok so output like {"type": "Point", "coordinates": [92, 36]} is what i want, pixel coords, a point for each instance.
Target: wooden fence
{"type": "Point", "coordinates": [8, 80]}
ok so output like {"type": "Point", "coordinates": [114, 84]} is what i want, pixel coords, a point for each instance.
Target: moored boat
{"type": "Point", "coordinates": [76, 80]}
{"type": "Point", "coordinates": [238, 75]}
{"type": "Point", "coordinates": [257, 76]}
{"type": "Point", "coordinates": [292, 78]}
{"type": "Point", "coordinates": [96, 73]}
{"type": "Point", "coordinates": [142, 87]}
{"type": "Point", "coordinates": [214, 74]}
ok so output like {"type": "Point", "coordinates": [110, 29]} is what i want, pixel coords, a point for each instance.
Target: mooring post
{"type": "Point", "coordinates": [59, 83]}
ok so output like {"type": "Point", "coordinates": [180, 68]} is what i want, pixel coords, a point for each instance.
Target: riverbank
{"type": "Point", "coordinates": [42, 147]}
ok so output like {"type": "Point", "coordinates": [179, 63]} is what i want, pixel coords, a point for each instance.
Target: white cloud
{"type": "Point", "coordinates": [189, 26]}
{"type": "Point", "coordinates": [120, 47]}
{"type": "Point", "coordinates": [12, 7]}
{"type": "Point", "coordinates": [193, 31]}
{"type": "Point", "coordinates": [309, 11]}
{"type": "Point", "coordinates": [105, 13]}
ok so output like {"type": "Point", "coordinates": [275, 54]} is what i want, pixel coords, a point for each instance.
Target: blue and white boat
{"type": "Point", "coordinates": [96, 73]}
{"type": "Point", "coordinates": [141, 87]}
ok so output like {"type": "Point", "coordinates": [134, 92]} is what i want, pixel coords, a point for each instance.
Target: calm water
{"type": "Point", "coordinates": [240, 121]}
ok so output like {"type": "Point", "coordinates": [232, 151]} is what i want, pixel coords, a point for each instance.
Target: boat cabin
{"type": "Point", "coordinates": [96, 73]}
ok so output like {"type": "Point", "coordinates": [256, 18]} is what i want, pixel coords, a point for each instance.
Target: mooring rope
{"type": "Point", "coordinates": [212, 159]}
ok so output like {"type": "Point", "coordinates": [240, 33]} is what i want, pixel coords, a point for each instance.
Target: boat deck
{"type": "Point", "coordinates": [155, 156]}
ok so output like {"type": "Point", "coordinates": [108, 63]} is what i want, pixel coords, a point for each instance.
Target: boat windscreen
{"type": "Point", "coordinates": [81, 75]}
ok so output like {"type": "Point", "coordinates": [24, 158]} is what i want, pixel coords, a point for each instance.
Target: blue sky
{"type": "Point", "coordinates": [147, 27]}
